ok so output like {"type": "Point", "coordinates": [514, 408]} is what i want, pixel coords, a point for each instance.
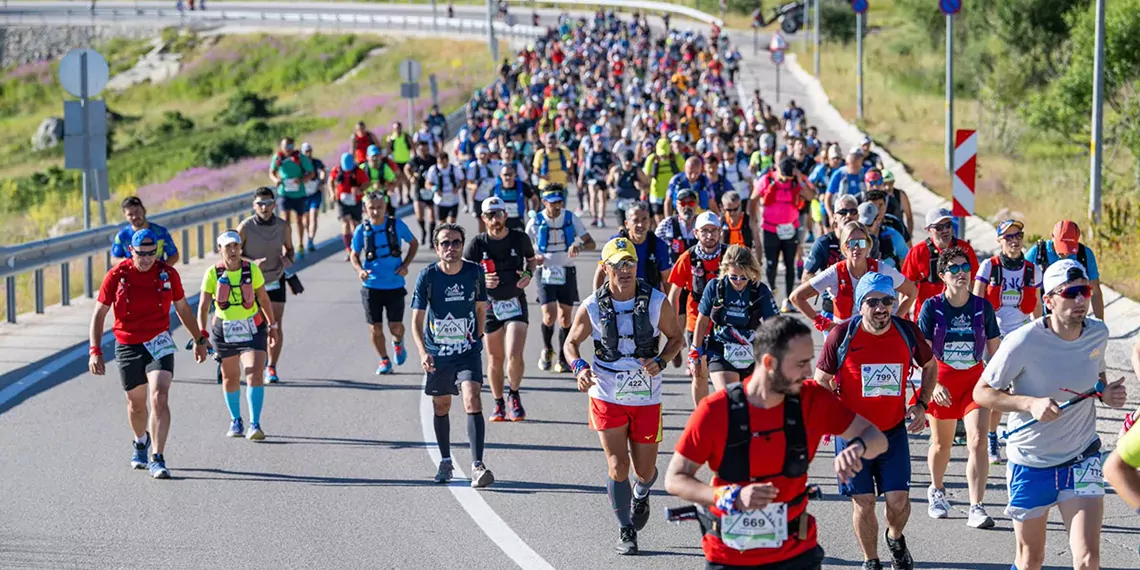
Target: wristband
{"type": "Point", "coordinates": [95, 351]}
{"type": "Point", "coordinates": [579, 365]}
{"type": "Point", "coordinates": [660, 362]}
{"type": "Point", "coordinates": [726, 498]}
{"type": "Point", "coordinates": [700, 350]}
{"type": "Point", "coordinates": [526, 273]}
{"type": "Point", "coordinates": [205, 334]}
{"type": "Point", "coordinates": [922, 404]}
{"type": "Point", "coordinates": [861, 442]}
{"type": "Point", "coordinates": [822, 323]}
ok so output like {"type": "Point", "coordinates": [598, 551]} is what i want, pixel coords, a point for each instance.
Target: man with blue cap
{"type": "Point", "coordinates": [868, 359]}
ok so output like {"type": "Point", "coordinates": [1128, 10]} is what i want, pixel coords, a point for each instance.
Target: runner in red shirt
{"type": "Point", "coordinates": [751, 495]}
{"type": "Point", "coordinates": [868, 360]}
{"type": "Point", "coordinates": [921, 263]}
{"type": "Point", "coordinates": [141, 290]}
{"type": "Point", "coordinates": [692, 272]}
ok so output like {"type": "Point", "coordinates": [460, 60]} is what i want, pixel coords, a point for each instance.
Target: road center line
{"type": "Point", "coordinates": [488, 520]}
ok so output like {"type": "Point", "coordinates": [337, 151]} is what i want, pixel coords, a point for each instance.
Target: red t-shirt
{"type": "Point", "coordinates": [703, 443]}
{"type": "Point", "coordinates": [916, 268]}
{"type": "Point", "coordinates": [353, 182]}
{"type": "Point", "coordinates": [682, 276]}
{"type": "Point", "coordinates": [883, 363]}
{"type": "Point", "coordinates": [141, 301]}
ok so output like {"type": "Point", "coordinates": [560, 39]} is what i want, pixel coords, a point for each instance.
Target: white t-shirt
{"type": "Point", "coordinates": [484, 175]}
{"type": "Point", "coordinates": [1009, 315]}
{"type": "Point", "coordinates": [828, 279]}
{"type": "Point", "coordinates": [556, 254]}
{"type": "Point", "coordinates": [441, 177]}
{"type": "Point", "coordinates": [618, 381]}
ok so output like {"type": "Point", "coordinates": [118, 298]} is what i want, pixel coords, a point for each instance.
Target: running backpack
{"type": "Point", "coordinates": [645, 341]}
{"type": "Point", "coordinates": [851, 326]}
{"type": "Point", "coordinates": [938, 343]}
{"type": "Point", "coordinates": [224, 289]}
{"type": "Point", "coordinates": [542, 225]}
{"type": "Point", "coordinates": [736, 463]}
{"type": "Point", "coordinates": [389, 230]}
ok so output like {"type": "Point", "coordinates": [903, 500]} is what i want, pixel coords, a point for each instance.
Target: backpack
{"type": "Point", "coordinates": [845, 291]}
{"type": "Point", "coordinates": [1043, 256]}
{"type": "Point", "coordinates": [938, 342]}
{"type": "Point", "coordinates": [393, 239]}
{"type": "Point", "coordinates": [222, 297]}
{"type": "Point", "coordinates": [542, 225]}
{"type": "Point", "coordinates": [545, 168]}
{"type": "Point", "coordinates": [933, 277]}
{"type": "Point", "coordinates": [745, 230]}
{"type": "Point", "coordinates": [735, 465]}
{"type": "Point", "coordinates": [644, 337]}
{"type": "Point", "coordinates": [701, 274]}
{"type": "Point", "coordinates": [754, 295]}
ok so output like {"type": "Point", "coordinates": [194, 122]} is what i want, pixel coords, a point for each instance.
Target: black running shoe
{"type": "Point", "coordinates": [639, 512]}
{"type": "Point", "coordinates": [628, 544]}
{"type": "Point", "coordinates": [900, 555]}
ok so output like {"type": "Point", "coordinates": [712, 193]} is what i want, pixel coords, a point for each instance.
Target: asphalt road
{"type": "Point", "coordinates": [344, 477]}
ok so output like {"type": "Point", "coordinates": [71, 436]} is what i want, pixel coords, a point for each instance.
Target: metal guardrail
{"type": "Point", "coordinates": [36, 256]}
{"type": "Point", "coordinates": [637, 5]}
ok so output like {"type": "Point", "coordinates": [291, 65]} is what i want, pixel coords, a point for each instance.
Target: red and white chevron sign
{"type": "Point", "coordinates": [965, 171]}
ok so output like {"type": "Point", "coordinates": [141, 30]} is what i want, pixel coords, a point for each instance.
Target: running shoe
{"type": "Point", "coordinates": [400, 353]}
{"type": "Point", "coordinates": [300, 253]}
{"type": "Point", "coordinates": [236, 429]}
{"type": "Point", "coordinates": [481, 477]}
{"type": "Point", "coordinates": [810, 238]}
{"type": "Point", "coordinates": [979, 518]}
{"type": "Point", "coordinates": [601, 222]}
{"type": "Point", "coordinates": [639, 512]}
{"type": "Point", "coordinates": [872, 564]}
{"type": "Point", "coordinates": [518, 414]}
{"type": "Point", "coordinates": [255, 433]}
{"type": "Point", "coordinates": [937, 505]}
{"type": "Point", "coordinates": [787, 307]}
{"type": "Point", "coordinates": [627, 544]}
{"type": "Point", "coordinates": [312, 246]}
{"type": "Point", "coordinates": [545, 359]}
{"type": "Point", "coordinates": [500, 413]}
{"type": "Point", "coordinates": [138, 458]}
{"type": "Point", "coordinates": [900, 554]}
{"type": "Point", "coordinates": [158, 468]}
{"type": "Point", "coordinates": [385, 366]}
{"type": "Point", "coordinates": [992, 448]}
{"type": "Point", "coordinates": [562, 366]}
{"type": "Point", "coordinates": [443, 474]}
{"type": "Point", "coordinates": [271, 374]}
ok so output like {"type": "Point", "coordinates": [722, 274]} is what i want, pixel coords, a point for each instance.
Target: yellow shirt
{"type": "Point", "coordinates": [235, 312]}
{"type": "Point", "coordinates": [552, 169]}
{"type": "Point", "coordinates": [1129, 448]}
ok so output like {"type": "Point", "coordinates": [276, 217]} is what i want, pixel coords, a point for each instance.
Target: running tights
{"type": "Point", "coordinates": [620, 497]}
{"type": "Point", "coordinates": [773, 248]}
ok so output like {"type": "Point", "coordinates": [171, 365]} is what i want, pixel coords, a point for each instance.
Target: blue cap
{"type": "Point", "coordinates": [347, 162]}
{"type": "Point", "coordinates": [373, 150]}
{"type": "Point", "coordinates": [553, 196]}
{"type": "Point", "coordinates": [141, 237]}
{"type": "Point", "coordinates": [596, 130]}
{"type": "Point", "coordinates": [872, 282]}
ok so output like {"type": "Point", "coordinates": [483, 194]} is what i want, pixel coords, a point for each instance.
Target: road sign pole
{"type": "Point", "coordinates": [491, 33]}
{"type": "Point", "coordinates": [778, 83]}
{"type": "Point", "coordinates": [804, 29]}
{"type": "Point", "coordinates": [89, 265]}
{"type": "Point", "coordinates": [755, 40]}
{"type": "Point", "coordinates": [964, 177]}
{"type": "Point", "coordinates": [815, 23]}
{"type": "Point", "coordinates": [950, 94]}
{"type": "Point", "coordinates": [859, 65]}
{"type": "Point", "coordinates": [1097, 116]}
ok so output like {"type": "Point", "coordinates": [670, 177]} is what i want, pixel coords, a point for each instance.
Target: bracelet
{"type": "Point", "coordinates": [861, 442]}
{"type": "Point", "coordinates": [526, 273]}
{"type": "Point", "coordinates": [726, 498]}
{"type": "Point", "coordinates": [205, 334]}
{"type": "Point", "coordinates": [700, 350]}
{"type": "Point", "coordinates": [579, 365]}
{"type": "Point", "coordinates": [95, 351]}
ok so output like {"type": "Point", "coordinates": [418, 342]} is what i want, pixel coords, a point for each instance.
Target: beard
{"type": "Point", "coordinates": [782, 384]}
{"type": "Point", "coordinates": [879, 321]}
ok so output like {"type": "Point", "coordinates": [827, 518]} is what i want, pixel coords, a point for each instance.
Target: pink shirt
{"type": "Point", "coordinates": [784, 210]}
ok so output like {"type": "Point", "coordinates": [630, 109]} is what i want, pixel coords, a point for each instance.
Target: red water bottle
{"type": "Point", "coordinates": [487, 263]}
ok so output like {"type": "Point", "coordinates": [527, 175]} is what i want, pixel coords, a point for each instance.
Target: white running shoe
{"type": "Point", "coordinates": [481, 477]}
{"type": "Point", "coordinates": [937, 505]}
{"type": "Point", "coordinates": [979, 518]}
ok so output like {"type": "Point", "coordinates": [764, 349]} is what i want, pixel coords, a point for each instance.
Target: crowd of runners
{"type": "Point", "coordinates": [712, 194]}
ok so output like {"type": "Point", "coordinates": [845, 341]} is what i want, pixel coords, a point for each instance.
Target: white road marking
{"type": "Point", "coordinates": [482, 513]}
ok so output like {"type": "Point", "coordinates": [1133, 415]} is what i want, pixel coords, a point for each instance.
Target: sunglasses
{"type": "Point", "coordinates": [688, 202]}
{"type": "Point", "coordinates": [495, 214]}
{"type": "Point", "coordinates": [146, 252]}
{"type": "Point", "coordinates": [736, 209]}
{"type": "Point", "coordinates": [941, 227]}
{"type": "Point", "coordinates": [623, 265]}
{"type": "Point", "coordinates": [1013, 237]}
{"type": "Point", "coordinates": [885, 302]}
{"type": "Point", "coordinates": [1074, 292]}
{"type": "Point", "coordinates": [960, 268]}
{"type": "Point", "coordinates": [856, 243]}
{"type": "Point", "coordinates": [450, 243]}
{"type": "Point", "coordinates": [265, 203]}
{"type": "Point", "coordinates": [737, 278]}
{"type": "Point", "coordinates": [847, 212]}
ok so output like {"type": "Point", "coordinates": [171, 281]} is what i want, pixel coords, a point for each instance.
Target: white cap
{"type": "Point", "coordinates": [228, 237]}
{"type": "Point", "coordinates": [306, 147]}
{"type": "Point", "coordinates": [1062, 272]}
{"type": "Point", "coordinates": [707, 219]}
{"type": "Point", "coordinates": [494, 204]}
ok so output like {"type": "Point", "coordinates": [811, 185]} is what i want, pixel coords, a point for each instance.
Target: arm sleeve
{"type": "Point", "coordinates": [420, 293]}
{"type": "Point", "coordinates": [706, 305]}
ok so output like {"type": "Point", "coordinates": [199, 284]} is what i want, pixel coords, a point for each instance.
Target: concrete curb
{"type": "Point", "coordinates": [1122, 315]}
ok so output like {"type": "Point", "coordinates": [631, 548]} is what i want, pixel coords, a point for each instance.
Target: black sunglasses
{"type": "Point", "coordinates": [146, 252]}
{"type": "Point", "coordinates": [449, 243]}
{"type": "Point", "coordinates": [886, 302]}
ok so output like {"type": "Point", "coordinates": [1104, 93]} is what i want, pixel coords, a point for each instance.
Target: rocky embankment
{"type": "Point", "coordinates": [26, 44]}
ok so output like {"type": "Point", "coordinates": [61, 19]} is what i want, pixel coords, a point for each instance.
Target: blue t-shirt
{"type": "Point", "coordinates": [1051, 255]}
{"type": "Point", "coordinates": [819, 256]}
{"type": "Point", "coordinates": [449, 330]}
{"type": "Point", "coordinates": [384, 267]}
{"type": "Point", "coordinates": [900, 246]}
{"type": "Point", "coordinates": [958, 352]}
{"type": "Point", "coordinates": [681, 182]}
{"type": "Point", "coordinates": [736, 304]}
{"type": "Point", "coordinates": [841, 179]}
{"type": "Point", "coordinates": [663, 261]}
{"type": "Point", "coordinates": [122, 243]}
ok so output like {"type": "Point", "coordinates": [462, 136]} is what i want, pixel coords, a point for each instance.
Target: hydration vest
{"type": "Point", "coordinates": [596, 159]}
{"type": "Point", "coordinates": [450, 174]}
{"type": "Point", "coordinates": [370, 243]}
{"type": "Point", "coordinates": [401, 147]}
{"type": "Point", "coordinates": [516, 194]}
{"type": "Point", "coordinates": [545, 168]}
{"type": "Point", "coordinates": [542, 224]}
{"type": "Point", "coordinates": [933, 276]}
{"type": "Point", "coordinates": [736, 464]}
{"type": "Point", "coordinates": [643, 337]}
{"type": "Point", "coordinates": [360, 144]}
{"type": "Point", "coordinates": [845, 296]}
{"type": "Point", "coordinates": [777, 186]}
{"type": "Point", "coordinates": [744, 227]}
{"type": "Point", "coordinates": [280, 158]}
{"type": "Point", "coordinates": [1043, 256]}
{"type": "Point", "coordinates": [1028, 300]}
{"type": "Point", "coordinates": [625, 183]}
{"type": "Point", "coordinates": [702, 273]}
{"type": "Point", "coordinates": [753, 296]}
{"type": "Point", "coordinates": [938, 343]}
{"type": "Point", "coordinates": [849, 329]}
{"type": "Point", "coordinates": [222, 298]}
{"type": "Point", "coordinates": [834, 254]}
{"type": "Point", "coordinates": [679, 243]}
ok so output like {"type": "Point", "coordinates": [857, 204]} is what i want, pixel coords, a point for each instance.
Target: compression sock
{"type": "Point", "coordinates": [476, 434]}
{"type": "Point", "coordinates": [620, 497]}
{"type": "Point", "coordinates": [641, 490]}
{"type": "Point", "coordinates": [442, 425]}
{"type": "Point", "coordinates": [256, 397]}
{"type": "Point", "coordinates": [547, 336]}
{"type": "Point", "coordinates": [423, 227]}
{"type": "Point", "coordinates": [432, 234]}
{"type": "Point", "coordinates": [233, 403]}
{"type": "Point", "coordinates": [563, 334]}
{"type": "Point", "coordinates": [347, 239]}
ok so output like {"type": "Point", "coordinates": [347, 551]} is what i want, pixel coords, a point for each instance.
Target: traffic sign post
{"type": "Point", "coordinates": [949, 8]}
{"type": "Point", "coordinates": [964, 179]}
{"type": "Point", "coordinates": [860, 7]}
{"type": "Point", "coordinates": [410, 71]}
{"type": "Point", "coordinates": [777, 47]}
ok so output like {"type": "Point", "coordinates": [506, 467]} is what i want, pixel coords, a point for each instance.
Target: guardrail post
{"type": "Point", "coordinates": [185, 246]}
{"type": "Point", "coordinates": [38, 285]}
{"type": "Point", "coordinates": [107, 261]}
{"type": "Point", "coordinates": [10, 297]}
{"type": "Point", "coordinates": [88, 277]}
{"type": "Point", "coordinates": [216, 232]}
{"type": "Point", "coordinates": [201, 241]}
{"type": "Point", "coordinates": [65, 284]}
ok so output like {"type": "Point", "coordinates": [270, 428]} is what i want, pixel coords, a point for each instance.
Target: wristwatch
{"type": "Point", "coordinates": [924, 405]}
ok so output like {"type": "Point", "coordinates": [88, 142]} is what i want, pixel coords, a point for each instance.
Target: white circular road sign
{"type": "Point", "coordinates": [71, 72]}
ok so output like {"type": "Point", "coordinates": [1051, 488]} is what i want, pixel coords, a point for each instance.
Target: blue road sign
{"type": "Point", "coordinates": [950, 7]}
{"type": "Point", "coordinates": [778, 57]}
{"type": "Point", "coordinates": [860, 6]}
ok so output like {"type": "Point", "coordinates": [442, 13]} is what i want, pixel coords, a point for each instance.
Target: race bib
{"type": "Point", "coordinates": [348, 199]}
{"type": "Point", "coordinates": [786, 231]}
{"type": "Point", "coordinates": [438, 130]}
{"type": "Point", "coordinates": [881, 380]}
{"type": "Point", "coordinates": [553, 275]}
{"type": "Point", "coordinates": [512, 209]}
{"type": "Point", "coordinates": [507, 309]}
{"type": "Point", "coordinates": [483, 191]}
{"type": "Point", "coordinates": [272, 285]}
{"type": "Point", "coordinates": [633, 386]}
{"type": "Point", "coordinates": [312, 187]}
{"type": "Point", "coordinates": [450, 332]}
{"type": "Point", "coordinates": [237, 332]}
{"type": "Point", "coordinates": [765, 528]}
{"type": "Point", "coordinates": [739, 355]}
{"type": "Point", "coordinates": [426, 194]}
{"type": "Point", "coordinates": [1088, 479]}
{"type": "Point", "coordinates": [160, 346]}
{"type": "Point", "coordinates": [623, 203]}
{"type": "Point", "coordinates": [292, 184]}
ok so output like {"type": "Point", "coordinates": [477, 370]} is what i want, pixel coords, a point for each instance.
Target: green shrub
{"type": "Point", "coordinates": [836, 22]}
{"type": "Point", "coordinates": [216, 153]}
{"type": "Point", "coordinates": [174, 122]}
{"type": "Point", "coordinates": [246, 106]}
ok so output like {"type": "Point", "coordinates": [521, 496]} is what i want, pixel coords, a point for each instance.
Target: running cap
{"type": "Point", "coordinates": [373, 150]}
{"type": "Point", "coordinates": [144, 237]}
{"type": "Point", "coordinates": [834, 152]}
{"type": "Point", "coordinates": [888, 176]}
{"type": "Point", "coordinates": [937, 215]}
{"type": "Point", "coordinates": [306, 147]}
{"type": "Point", "coordinates": [1007, 226]}
{"type": "Point", "coordinates": [868, 211]}
{"type": "Point", "coordinates": [228, 237]}
{"type": "Point", "coordinates": [1062, 272]}
{"type": "Point", "coordinates": [686, 194]}
{"type": "Point", "coordinates": [855, 152]}
{"type": "Point", "coordinates": [553, 196]}
{"type": "Point", "coordinates": [865, 140]}
{"type": "Point", "coordinates": [481, 149]}
{"type": "Point", "coordinates": [675, 137]}
{"type": "Point", "coordinates": [627, 155]}
{"type": "Point", "coordinates": [494, 204]}
{"type": "Point", "coordinates": [873, 282]}
{"type": "Point", "coordinates": [347, 162]}
{"type": "Point", "coordinates": [707, 219]}
{"type": "Point", "coordinates": [1066, 237]}
{"type": "Point", "coordinates": [618, 249]}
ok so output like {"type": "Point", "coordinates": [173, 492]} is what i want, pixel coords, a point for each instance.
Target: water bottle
{"type": "Point", "coordinates": [487, 263]}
